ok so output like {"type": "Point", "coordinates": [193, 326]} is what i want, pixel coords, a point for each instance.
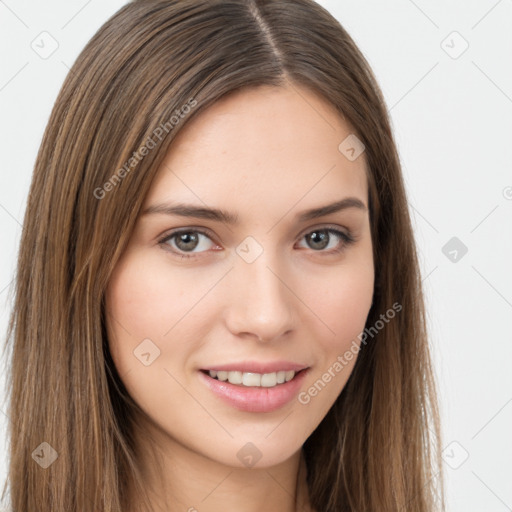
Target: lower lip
{"type": "Point", "coordinates": [255, 399]}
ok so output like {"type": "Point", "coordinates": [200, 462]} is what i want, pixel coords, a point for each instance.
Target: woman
{"type": "Point", "coordinates": [218, 301]}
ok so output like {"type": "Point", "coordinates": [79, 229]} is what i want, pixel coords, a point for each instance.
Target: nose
{"type": "Point", "coordinates": [261, 302]}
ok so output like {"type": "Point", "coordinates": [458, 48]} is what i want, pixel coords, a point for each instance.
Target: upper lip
{"type": "Point", "coordinates": [257, 367]}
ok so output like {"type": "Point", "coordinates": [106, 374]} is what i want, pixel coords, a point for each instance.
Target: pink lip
{"type": "Point", "coordinates": [255, 399]}
{"type": "Point", "coordinates": [255, 367]}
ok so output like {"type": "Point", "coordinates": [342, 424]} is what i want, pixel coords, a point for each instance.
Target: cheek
{"type": "Point", "coordinates": [343, 304]}
{"type": "Point", "coordinates": [354, 302]}
{"type": "Point", "coordinates": [145, 301]}
{"type": "Point", "coordinates": [135, 311]}
{"type": "Point", "coordinates": [140, 311]}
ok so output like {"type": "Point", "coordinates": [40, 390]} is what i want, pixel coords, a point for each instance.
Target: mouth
{"type": "Point", "coordinates": [250, 391]}
{"type": "Point", "coordinates": [252, 379]}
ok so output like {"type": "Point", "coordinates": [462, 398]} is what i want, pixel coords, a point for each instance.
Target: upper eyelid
{"type": "Point", "coordinates": [177, 231]}
{"type": "Point", "coordinates": [321, 227]}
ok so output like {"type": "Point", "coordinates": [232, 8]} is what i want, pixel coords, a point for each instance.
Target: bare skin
{"type": "Point", "coordinates": [266, 155]}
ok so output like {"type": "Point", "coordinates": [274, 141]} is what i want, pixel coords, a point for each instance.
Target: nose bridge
{"type": "Point", "coordinates": [261, 303]}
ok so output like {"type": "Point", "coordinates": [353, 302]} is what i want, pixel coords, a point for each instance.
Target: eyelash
{"type": "Point", "coordinates": [347, 240]}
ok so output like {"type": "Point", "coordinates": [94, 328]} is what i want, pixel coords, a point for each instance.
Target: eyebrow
{"type": "Point", "coordinates": [216, 214]}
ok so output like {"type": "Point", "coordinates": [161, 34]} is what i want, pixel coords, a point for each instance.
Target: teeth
{"type": "Point", "coordinates": [251, 379]}
{"type": "Point", "coordinates": [289, 375]}
{"type": "Point", "coordinates": [222, 376]}
{"type": "Point", "coordinates": [265, 380]}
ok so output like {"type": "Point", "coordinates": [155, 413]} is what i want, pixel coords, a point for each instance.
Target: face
{"type": "Point", "coordinates": [233, 269]}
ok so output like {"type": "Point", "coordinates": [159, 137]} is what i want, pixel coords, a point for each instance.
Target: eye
{"type": "Point", "coordinates": [187, 241]}
{"type": "Point", "coordinates": [193, 241]}
{"type": "Point", "coordinates": [320, 239]}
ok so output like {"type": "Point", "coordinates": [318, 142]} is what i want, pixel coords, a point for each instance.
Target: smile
{"type": "Point", "coordinates": [254, 392]}
{"type": "Point", "coordinates": [249, 379]}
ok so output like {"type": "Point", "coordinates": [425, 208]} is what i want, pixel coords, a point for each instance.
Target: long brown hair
{"type": "Point", "coordinates": [150, 69]}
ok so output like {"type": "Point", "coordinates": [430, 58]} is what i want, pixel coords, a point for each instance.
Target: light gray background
{"type": "Point", "coordinates": [451, 116]}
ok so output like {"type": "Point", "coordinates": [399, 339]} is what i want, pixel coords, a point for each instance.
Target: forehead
{"type": "Point", "coordinates": [265, 149]}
